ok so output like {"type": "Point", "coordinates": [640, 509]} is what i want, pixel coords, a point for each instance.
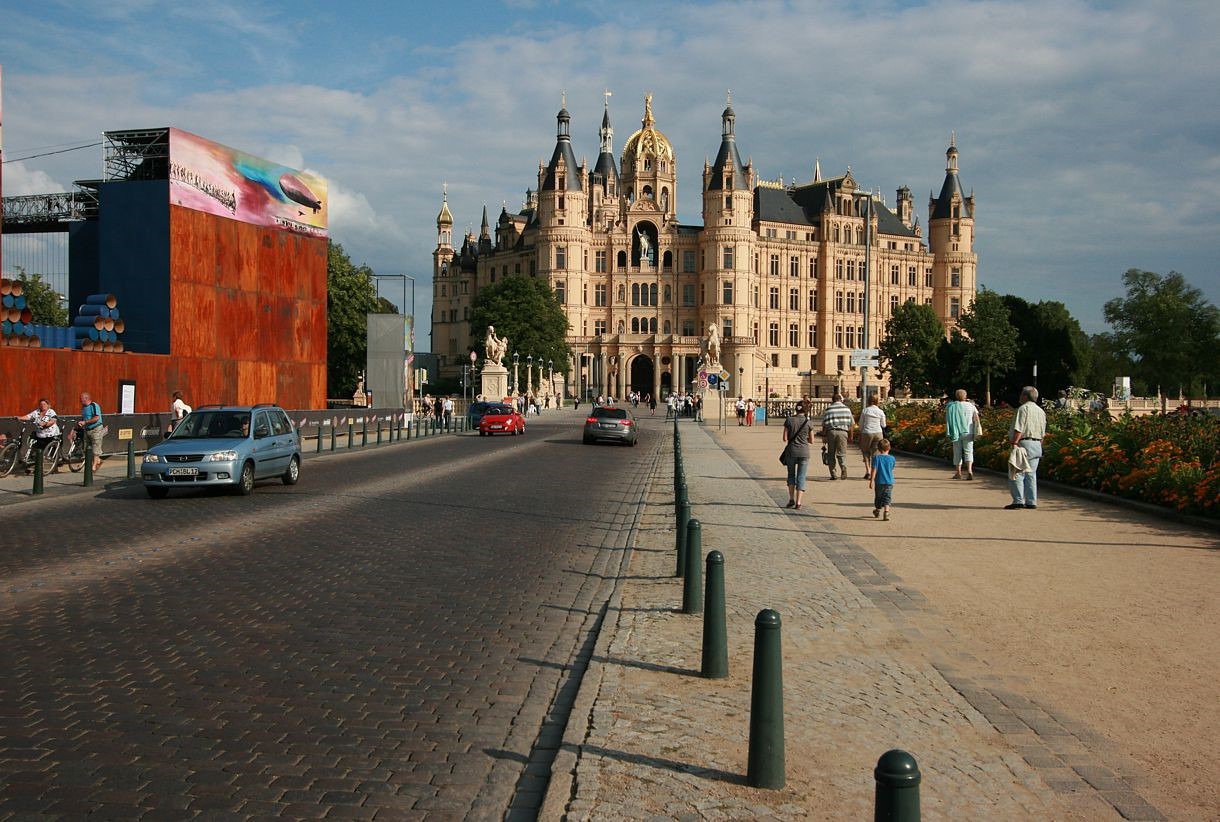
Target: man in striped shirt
{"type": "Point", "coordinates": [837, 423]}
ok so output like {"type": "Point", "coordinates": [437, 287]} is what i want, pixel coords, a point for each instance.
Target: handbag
{"type": "Point", "coordinates": [784, 455]}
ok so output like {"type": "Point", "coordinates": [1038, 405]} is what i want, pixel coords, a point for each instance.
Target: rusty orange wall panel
{"type": "Point", "coordinates": [247, 324]}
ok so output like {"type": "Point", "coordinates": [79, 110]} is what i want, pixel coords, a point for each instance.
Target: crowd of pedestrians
{"type": "Point", "coordinates": [963, 426]}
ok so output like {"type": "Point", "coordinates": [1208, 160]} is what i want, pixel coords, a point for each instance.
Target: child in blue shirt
{"type": "Point", "coordinates": [882, 480]}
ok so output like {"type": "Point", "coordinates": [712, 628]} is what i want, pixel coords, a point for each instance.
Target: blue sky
{"type": "Point", "coordinates": [1089, 131]}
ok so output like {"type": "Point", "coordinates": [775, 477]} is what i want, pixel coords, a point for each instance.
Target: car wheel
{"type": "Point", "coordinates": [156, 491]}
{"type": "Point", "coordinates": [631, 443]}
{"type": "Point", "coordinates": [245, 482]}
{"type": "Point", "coordinates": [293, 473]}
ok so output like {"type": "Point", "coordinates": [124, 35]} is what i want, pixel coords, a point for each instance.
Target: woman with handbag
{"type": "Point", "coordinates": [796, 454]}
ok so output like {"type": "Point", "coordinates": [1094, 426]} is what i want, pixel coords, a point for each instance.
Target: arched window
{"type": "Point", "coordinates": [836, 234]}
{"type": "Point", "coordinates": [635, 325]}
{"type": "Point", "coordinates": [635, 293]}
{"type": "Point", "coordinates": [652, 295]}
{"type": "Point", "coordinates": [647, 193]}
{"type": "Point", "coordinates": [652, 325]}
{"type": "Point", "coordinates": [622, 259]}
{"type": "Point", "coordinates": [667, 260]}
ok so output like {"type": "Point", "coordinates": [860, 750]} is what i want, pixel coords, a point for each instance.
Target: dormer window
{"type": "Point", "coordinates": [648, 164]}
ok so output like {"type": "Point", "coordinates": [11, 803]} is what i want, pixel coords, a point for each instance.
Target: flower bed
{"type": "Point", "coordinates": [1166, 460]}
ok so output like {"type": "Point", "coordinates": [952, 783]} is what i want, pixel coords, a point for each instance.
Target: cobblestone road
{"type": "Point", "coordinates": [391, 638]}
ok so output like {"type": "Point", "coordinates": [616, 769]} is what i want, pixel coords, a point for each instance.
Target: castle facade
{"type": "Point", "coordinates": [793, 277]}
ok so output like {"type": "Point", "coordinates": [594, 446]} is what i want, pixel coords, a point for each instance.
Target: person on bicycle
{"type": "Point", "coordinates": [91, 421]}
{"type": "Point", "coordinates": [46, 425]}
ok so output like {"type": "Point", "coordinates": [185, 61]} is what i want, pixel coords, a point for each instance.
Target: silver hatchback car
{"type": "Point", "coordinates": [607, 422]}
{"type": "Point", "coordinates": [227, 446]}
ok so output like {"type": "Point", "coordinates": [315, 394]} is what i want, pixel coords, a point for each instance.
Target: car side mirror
{"type": "Point", "coordinates": [261, 432]}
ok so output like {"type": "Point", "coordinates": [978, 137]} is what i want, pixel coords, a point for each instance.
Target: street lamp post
{"type": "Point", "coordinates": [529, 373]}
{"type": "Point", "coordinates": [550, 386]}
{"type": "Point", "coordinates": [516, 383]}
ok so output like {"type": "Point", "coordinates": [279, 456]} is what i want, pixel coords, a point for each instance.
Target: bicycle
{"type": "Point", "coordinates": [12, 453]}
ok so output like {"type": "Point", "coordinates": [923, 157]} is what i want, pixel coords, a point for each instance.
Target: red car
{"type": "Point", "coordinates": [501, 419]}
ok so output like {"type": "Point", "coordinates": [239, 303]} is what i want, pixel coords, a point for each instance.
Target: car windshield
{"type": "Point", "coordinates": [204, 425]}
{"type": "Point", "coordinates": [498, 410]}
{"type": "Point", "coordinates": [613, 413]}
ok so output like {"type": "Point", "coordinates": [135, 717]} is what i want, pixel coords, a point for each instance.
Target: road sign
{"type": "Point", "coordinates": [866, 352]}
{"type": "Point", "coordinates": [713, 380]}
{"type": "Point", "coordinates": [702, 384]}
{"type": "Point", "coordinates": [474, 355]}
{"type": "Point", "coordinates": [724, 375]}
{"type": "Point", "coordinates": [864, 362]}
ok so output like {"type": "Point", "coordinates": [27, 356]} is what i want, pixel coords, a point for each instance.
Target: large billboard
{"type": "Point", "coordinates": [216, 179]}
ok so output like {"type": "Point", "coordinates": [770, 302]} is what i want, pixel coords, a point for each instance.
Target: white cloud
{"type": "Point", "coordinates": [1089, 131]}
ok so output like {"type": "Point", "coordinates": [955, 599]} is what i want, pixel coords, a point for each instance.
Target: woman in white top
{"type": "Point", "coordinates": [177, 410]}
{"type": "Point", "coordinates": [872, 426]}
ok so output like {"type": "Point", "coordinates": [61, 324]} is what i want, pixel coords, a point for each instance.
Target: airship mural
{"type": "Point", "coordinates": [217, 179]}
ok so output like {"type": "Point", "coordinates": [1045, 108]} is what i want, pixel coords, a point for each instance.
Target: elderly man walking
{"type": "Point", "coordinates": [1025, 434]}
{"type": "Point", "coordinates": [837, 423]}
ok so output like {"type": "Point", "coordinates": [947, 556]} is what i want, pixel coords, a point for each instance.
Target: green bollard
{"type": "Point", "coordinates": [692, 583]}
{"type": "Point", "coordinates": [379, 430]}
{"type": "Point", "coordinates": [332, 436]}
{"type": "Point", "coordinates": [38, 480]}
{"type": "Point", "coordinates": [351, 434]}
{"type": "Point", "coordinates": [88, 482]}
{"type": "Point", "coordinates": [319, 438]}
{"type": "Point", "coordinates": [682, 534]}
{"type": "Point", "coordinates": [898, 778]}
{"type": "Point", "coordinates": [131, 459]}
{"type": "Point", "coordinates": [364, 431]}
{"type": "Point", "coordinates": [766, 757]}
{"type": "Point", "coordinates": [715, 632]}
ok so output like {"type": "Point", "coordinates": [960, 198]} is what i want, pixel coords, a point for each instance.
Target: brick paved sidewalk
{"type": "Point", "coordinates": [650, 738]}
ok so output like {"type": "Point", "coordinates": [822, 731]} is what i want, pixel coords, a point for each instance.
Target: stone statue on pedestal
{"type": "Point", "coordinates": [496, 347]}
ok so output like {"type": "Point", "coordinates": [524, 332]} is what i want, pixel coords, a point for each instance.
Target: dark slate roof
{"type": "Point", "coordinates": [563, 148]}
{"type": "Point", "coordinates": [727, 154]}
{"type": "Point", "coordinates": [944, 203]}
{"type": "Point", "coordinates": [605, 166]}
{"type": "Point", "coordinates": [778, 205]}
{"type": "Point", "coordinates": [804, 205]}
{"type": "Point", "coordinates": [888, 222]}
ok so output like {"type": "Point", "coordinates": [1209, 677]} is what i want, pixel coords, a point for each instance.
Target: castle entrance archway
{"type": "Point", "coordinates": [643, 372]}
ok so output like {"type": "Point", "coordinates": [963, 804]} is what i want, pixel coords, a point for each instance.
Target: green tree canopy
{"type": "Point", "coordinates": [1168, 330]}
{"type": "Point", "coordinates": [526, 311]}
{"type": "Point", "coordinates": [991, 340]}
{"type": "Point", "coordinates": [43, 301]}
{"type": "Point", "coordinates": [350, 297]}
{"type": "Point", "coordinates": [908, 351]}
{"type": "Point", "coordinates": [1050, 337]}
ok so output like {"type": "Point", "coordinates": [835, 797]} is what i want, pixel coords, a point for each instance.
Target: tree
{"type": "Point", "coordinates": [1049, 338]}
{"type": "Point", "coordinates": [526, 311]}
{"type": "Point", "coordinates": [908, 352]}
{"type": "Point", "coordinates": [991, 341]}
{"type": "Point", "coordinates": [1168, 330]}
{"type": "Point", "coordinates": [1107, 364]}
{"type": "Point", "coordinates": [43, 301]}
{"type": "Point", "coordinates": [350, 297]}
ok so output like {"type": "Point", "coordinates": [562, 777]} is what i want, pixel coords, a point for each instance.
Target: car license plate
{"type": "Point", "coordinates": [495, 427]}
{"type": "Point", "coordinates": [610, 425]}
{"type": "Point", "coordinates": [183, 472]}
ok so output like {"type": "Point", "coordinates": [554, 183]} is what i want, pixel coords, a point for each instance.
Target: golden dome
{"type": "Point", "coordinates": [647, 142]}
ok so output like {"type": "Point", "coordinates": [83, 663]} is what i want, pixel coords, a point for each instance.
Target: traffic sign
{"type": "Point", "coordinates": [864, 362]}
{"type": "Point", "coordinates": [865, 352]}
{"type": "Point", "coordinates": [724, 375]}
{"type": "Point", "coordinates": [702, 383]}
{"type": "Point", "coordinates": [712, 380]}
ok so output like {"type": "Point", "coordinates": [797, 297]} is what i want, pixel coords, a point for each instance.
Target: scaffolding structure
{"type": "Point", "coordinates": [138, 154]}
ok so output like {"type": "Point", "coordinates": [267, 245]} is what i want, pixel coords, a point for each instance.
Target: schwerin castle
{"type": "Point", "coordinates": [778, 270]}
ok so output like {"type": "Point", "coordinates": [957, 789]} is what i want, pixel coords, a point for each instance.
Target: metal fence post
{"type": "Point", "coordinates": [692, 583]}
{"type": "Point", "coordinates": [715, 631]}
{"type": "Point", "coordinates": [897, 775]}
{"type": "Point", "coordinates": [766, 756]}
